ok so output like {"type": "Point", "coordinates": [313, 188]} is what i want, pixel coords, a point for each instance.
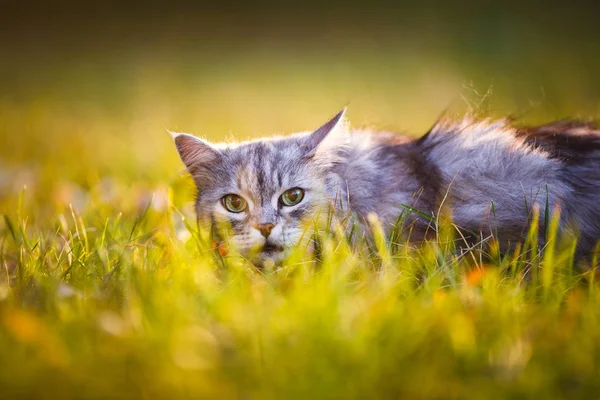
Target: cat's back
{"type": "Point", "coordinates": [486, 169]}
{"type": "Point", "coordinates": [485, 149]}
{"type": "Point", "coordinates": [506, 152]}
{"type": "Point", "coordinates": [571, 142]}
{"type": "Point", "coordinates": [514, 168]}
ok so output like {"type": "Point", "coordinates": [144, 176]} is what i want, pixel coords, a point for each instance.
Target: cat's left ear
{"type": "Point", "coordinates": [198, 155]}
{"type": "Point", "coordinates": [331, 135]}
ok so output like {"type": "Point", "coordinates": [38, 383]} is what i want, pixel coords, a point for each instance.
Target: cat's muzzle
{"type": "Point", "coordinates": [272, 248]}
{"type": "Point", "coordinates": [270, 253]}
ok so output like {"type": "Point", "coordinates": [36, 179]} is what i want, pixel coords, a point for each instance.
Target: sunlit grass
{"type": "Point", "coordinates": [108, 291]}
{"type": "Point", "coordinates": [125, 300]}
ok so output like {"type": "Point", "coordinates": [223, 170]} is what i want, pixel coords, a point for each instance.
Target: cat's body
{"type": "Point", "coordinates": [489, 175]}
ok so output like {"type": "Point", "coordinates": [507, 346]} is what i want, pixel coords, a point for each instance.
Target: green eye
{"type": "Point", "coordinates": [292, 197]}
{"type": "Point", "coordinates": [234, 203]}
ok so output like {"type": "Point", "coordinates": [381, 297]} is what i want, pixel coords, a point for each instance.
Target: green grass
{"type": "Point", "coordinates": [132, 304]}
{"type": "Point", "coordinates": [106, 290]}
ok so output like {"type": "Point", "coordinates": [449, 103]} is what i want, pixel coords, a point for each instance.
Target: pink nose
{"type": "Point", "coordinates": [265, 229]}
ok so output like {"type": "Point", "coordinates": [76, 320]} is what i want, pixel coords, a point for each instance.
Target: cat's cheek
{"type": "Point", "coordinates": [293, 234]}
{"type": "Point", "coordinates": [293, 237]}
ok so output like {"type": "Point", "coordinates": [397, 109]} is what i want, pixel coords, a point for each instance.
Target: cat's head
{"type": "Point", "coordinates": [261, 195]}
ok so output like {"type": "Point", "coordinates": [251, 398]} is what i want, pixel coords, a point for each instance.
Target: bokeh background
{"type": "Point", "coordinates": [105, 289]}
{"type": "Point", "coordinates": [88, 89]}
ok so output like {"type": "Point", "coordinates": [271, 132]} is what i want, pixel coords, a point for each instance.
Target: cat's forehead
{"type": "Point", "coordinates": [276, 146]}
{"type": "Point", "coordinates": [262, 166]}
{"type": "Point", "coordinates": [267, 154]}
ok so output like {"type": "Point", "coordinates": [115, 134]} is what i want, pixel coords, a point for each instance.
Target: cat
{"type": "Point", "coordinates": [490, 174]}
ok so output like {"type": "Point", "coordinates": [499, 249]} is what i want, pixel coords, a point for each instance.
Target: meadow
{"type": "Point", "coordinates": [107, 290]}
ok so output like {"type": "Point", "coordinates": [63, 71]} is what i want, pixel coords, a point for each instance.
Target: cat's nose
{"type": "Point", "coordinates": [265, 229]}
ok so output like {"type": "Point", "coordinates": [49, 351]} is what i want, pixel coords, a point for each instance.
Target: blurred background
{"type": "Point", "coordinates": [87, 89]}
{"type": "Point", "coordinates": [103, 292]}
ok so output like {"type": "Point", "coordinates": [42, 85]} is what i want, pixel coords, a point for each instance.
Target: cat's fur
{"type": "Point", "coordinates": [490, 174]}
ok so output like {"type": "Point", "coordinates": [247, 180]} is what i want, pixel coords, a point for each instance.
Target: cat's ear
{"type": "Point", "coordinates": [331, 135]}
{"type": "Point", "coordinates": [198, 155]}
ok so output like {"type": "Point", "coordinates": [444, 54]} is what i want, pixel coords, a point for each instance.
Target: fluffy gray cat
{"type": "Point", "coordinates": [489, 174]}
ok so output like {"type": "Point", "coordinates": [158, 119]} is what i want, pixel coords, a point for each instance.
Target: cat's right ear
{"type": "Point", "coordinates": [197, 154]}
{"type": "Point", "coordinates": [329, 134]}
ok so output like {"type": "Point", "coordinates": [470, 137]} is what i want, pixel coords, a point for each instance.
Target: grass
{"type": "Point", "coordinates": [132, 304]}
{"type": "Point", "coordinates": [107, 291]}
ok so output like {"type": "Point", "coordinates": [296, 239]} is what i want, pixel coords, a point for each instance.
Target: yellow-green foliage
{"type": "Point", "coordinates": [107, 290]}
{"type": "Point", "coordinates": [125, 300]}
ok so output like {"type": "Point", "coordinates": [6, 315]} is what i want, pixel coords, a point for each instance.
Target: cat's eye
{"type": "Point", "coordinates": [292, 197]}
{"type": "Point", "coordinates": [234, 203]}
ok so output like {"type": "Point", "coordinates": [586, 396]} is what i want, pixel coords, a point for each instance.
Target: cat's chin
{"type": "Point", "coordinates": [268, 261]}
{"type": "Point", "coordinates": [269, 256]}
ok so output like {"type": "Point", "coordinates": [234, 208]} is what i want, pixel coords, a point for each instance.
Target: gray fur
{"type": "Point", "coordinates": [490, 175]}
